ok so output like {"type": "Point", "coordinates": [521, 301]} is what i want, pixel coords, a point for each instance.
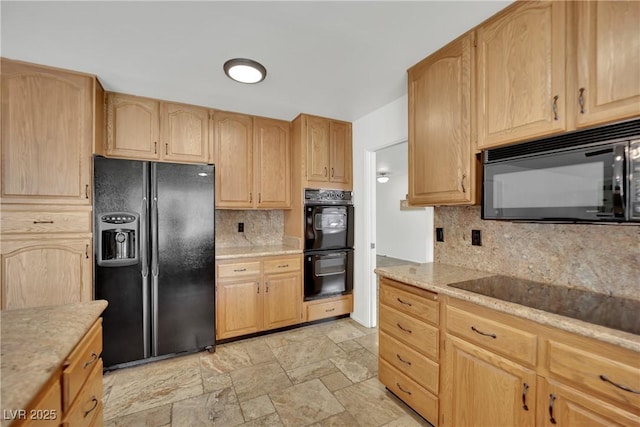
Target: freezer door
{"type": "Point", "coordinates": [183, 278]}
{"type": "Point", "coordinates": [119, 186]}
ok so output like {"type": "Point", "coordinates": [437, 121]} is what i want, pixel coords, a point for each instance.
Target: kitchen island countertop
{"type": "Point", "coordinates": [255, 251]}
{"type": "Point", "coordinates": [435, 277]}
{"type": "Point", "coordinates": [34, 344]}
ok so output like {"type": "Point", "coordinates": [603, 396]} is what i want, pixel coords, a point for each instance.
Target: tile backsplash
{"type": "Point", "coordinates": [601, 258]}
{"type": "Point", "coordinates": [261, 228]}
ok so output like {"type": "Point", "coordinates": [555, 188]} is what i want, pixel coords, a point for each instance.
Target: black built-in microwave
{"type": "Point", "coordinates": [585, 176]}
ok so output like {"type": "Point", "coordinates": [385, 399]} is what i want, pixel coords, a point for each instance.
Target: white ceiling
{"type": "Point", "coordinates": [337, 59]}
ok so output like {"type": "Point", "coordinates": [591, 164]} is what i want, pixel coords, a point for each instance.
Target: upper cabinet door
{"type": "Point", "coordinates": [521, 73]}
{"type": "Point", "coordinates": [233, 158]}
{"type": "Point", "coordinates": [272, 163]}
{"type": "Point", "coordinates": [608, 51]}
{"type": "Point", "coordinates": [133, 127]}
{"type": "Point", "coordinates": [340, 152]}
{"type": "Point", "coordinates": [47, 134]}
{"type": "Point", "coordinates": [317, 138]}
{"type": "Point", "coordinates": [185, 133]}
{"type": "Point", "coordinates": [441, 161]}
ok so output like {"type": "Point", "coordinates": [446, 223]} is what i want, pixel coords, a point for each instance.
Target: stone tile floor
{"type": "Point", "coordinates": [320, 375]}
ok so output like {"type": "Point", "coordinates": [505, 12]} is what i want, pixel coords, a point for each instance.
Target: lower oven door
{"type": "Point", "coordinates": [328, 273]}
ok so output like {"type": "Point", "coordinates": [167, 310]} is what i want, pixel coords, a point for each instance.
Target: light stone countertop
{"type": "Point", "coordinates": [255, 251]}
{"type": "Point", "coordinates": [435, 277]}
{"type": "Point", "coordinates": [34, 343]}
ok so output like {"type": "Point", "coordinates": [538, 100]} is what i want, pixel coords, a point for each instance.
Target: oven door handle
{"type": "Point", "coordinates": [336, 273]}
{"type": "Point", "coordinates": [332, 255]}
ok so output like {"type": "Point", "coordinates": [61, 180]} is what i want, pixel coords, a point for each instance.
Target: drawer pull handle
{"type": "Point", "coordinates": [581, 99]}
{"type": "Point", "coordinates": [95, 405]}
{"type": "Point", "coordinates": [404, 302]}
{"type": "Point", "coordinates": [403, 390]}
{"type": "Point", "coordinates": [404, 329]}
{"type": "Point", "coordinates": [330, 309]}
{"type": "Point", "coordinates": [620, 386]}
{"type": "Point", "coordinates": [525, 389]}
{"type": "Point", "coordinates": [239, 270]}
{"type": "Point", "coordinates": [43, 222]}
{"type": "Point", "coordinates": [283, 266]}
{"type": "Point", "coordinates": [94, 357]}
{"type": "Point", "coordinates": [473, 328]}
{"type": "Point", "coordinates": [402, 360]}
{"type": "Point", "coordinates": [552, 399]}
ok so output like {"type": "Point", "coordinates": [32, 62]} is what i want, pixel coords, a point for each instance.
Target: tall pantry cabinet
{"type": "Point", "coordinates": [51, 119]}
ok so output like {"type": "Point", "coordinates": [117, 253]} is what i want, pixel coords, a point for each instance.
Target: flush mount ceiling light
{"type": "Point", "coordinates": [245, 70]}
{"type": "Point", "coordinates": [382, 178]}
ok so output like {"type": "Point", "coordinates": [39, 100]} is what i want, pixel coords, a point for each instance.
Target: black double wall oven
{"type": "Point", "coordinates": [328, 249]}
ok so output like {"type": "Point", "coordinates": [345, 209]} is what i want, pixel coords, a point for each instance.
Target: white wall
{"type": "Point", "coordinates": [381, 128]}
{"type": "Point", "coordinates": [404, 234]}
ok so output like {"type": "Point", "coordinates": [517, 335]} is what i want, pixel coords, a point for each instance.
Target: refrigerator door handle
{"type": "Point", "coordinates": [154, 258]}
{"type": "Point", "coordinates": [144, 255]}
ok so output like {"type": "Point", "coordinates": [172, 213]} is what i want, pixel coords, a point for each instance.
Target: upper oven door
{"type": "Point", "coordinates": [328, 227]}
{"type": "Point", "coordinates": [585, 184]}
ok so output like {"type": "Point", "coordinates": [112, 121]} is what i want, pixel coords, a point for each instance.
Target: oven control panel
{"type": "Point", "coordinates": [327, 197]}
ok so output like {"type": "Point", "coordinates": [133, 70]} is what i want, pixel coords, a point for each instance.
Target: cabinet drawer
{"type": "Point", "coordinates": [282, 265]}
{"type": "Point", "coordinates": [594, 372]}
{"type": "Point", "coordinates": [420, 335]}
{"type": "Point", "coordinates": [35, 221]}
{"type": "Point", "coordinates": [416, 366]}
{"type": "Point", "coordinates": [239, 270]}
{"type": "Point", "coordinates": [80, 363]}
{"type": "Point", "coordinates": [423, 402]}
{"type": "Point", "coordinates": [513, 343]}
{"type": "Point", "coordinates": [332, 308]}
{"type": "Point", "coordinates": [89, 402]}
{"type": "Point", "coordinates": [423, 307]}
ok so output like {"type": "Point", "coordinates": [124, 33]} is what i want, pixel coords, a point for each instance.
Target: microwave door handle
{"type": "Point", "coordinates": [619, 176]}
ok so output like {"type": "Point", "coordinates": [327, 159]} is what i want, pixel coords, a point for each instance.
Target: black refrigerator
{"type": "Point", "coordinates": [154, 258]}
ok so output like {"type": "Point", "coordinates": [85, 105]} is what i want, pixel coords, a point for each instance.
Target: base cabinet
{"type": "Point", "coordinates": [484, 389]}
{"type": "Point", "coordinates": [560, 405]}
{"type": "Point", "coordinates": [258, 294]}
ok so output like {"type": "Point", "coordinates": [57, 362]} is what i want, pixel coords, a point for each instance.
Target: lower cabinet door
{"type": "Point", "coordinates": [483, 389]}
{"type": "Point", "coordinates": [238, 307]}
{"type": "Point", "coordinates": [282, 300]}
{"type": "Point", "coordinates": [560, 405]}
{"type": "Point", "coordinates": [45, 271]}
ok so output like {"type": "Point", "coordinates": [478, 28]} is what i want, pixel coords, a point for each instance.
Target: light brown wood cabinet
{"type": "Point", "coordinates": [149, 129]}
{"type": "Point", "coordinates": [73, 395]}
{"type": "Point", "coordinates": [323, 149]}
{"type": "Point", "coordinates": [45, 270]}
{"type": "Point", "coordinates": [503, 370]}
{"type": "Point", "coordinates": [608, 62]}
{"type": "Point", "coordinates": [48, 118]}
{"type": "Point", "coordinates": [253, 162]}
{"type": "Point", "coordinates": [258, 294]}
{"type": "Point", "coordinates": [521, 73]}
{"type": "Point", "coordinates": [409, 345]}
{"type": "Point", "coordinates": [327, 307]}
{"type": "Point", "coordinates": [443, 168]}
{"type": "Point", "coordinates": [272, 163]}
{"type": "Point", "coordinates": [486, 389]}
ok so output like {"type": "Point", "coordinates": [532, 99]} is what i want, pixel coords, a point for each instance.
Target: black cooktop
{"type": "Point", "coordinates": [604, 310]}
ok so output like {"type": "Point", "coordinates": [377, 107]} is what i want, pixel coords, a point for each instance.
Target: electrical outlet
{"type": "Point", "coordinates": [439, 234]}
{"type": "Point", "coordinates": [241, 227]}
{"type": "Point", "coordinates": [476, 238]}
